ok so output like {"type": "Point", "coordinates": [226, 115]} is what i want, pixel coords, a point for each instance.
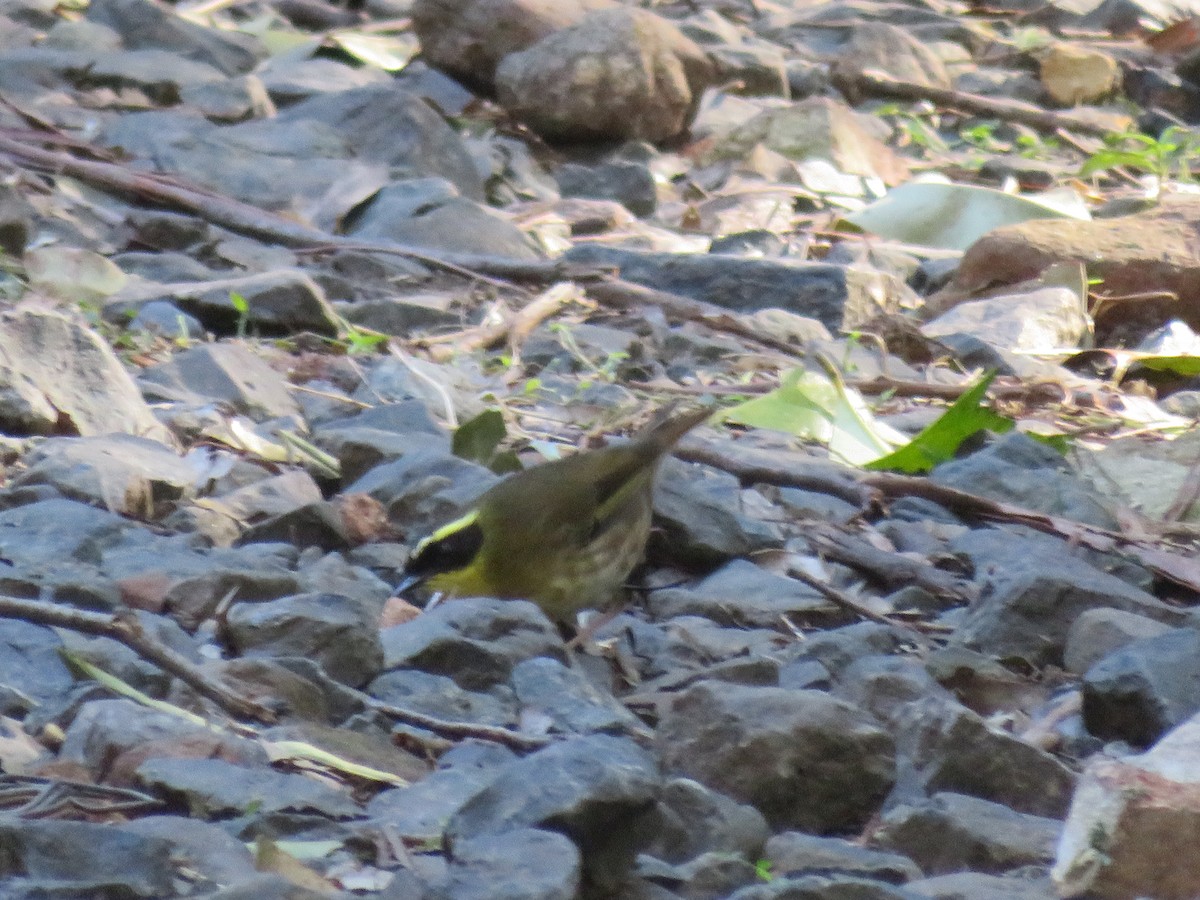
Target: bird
{"type": "Point", "coordinates": [564, 534]}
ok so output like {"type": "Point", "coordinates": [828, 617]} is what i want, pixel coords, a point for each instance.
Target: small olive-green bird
{"type": "Point", "coordinates": [564, 534]}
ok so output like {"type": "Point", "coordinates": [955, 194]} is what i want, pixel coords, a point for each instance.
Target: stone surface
{"type": "Point", "coordinates": [802, 758]}
{"type": "Point", "coordinates": [1098, 632]}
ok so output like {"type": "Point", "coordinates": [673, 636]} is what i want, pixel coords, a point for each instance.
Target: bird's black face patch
{"type": "Point", "coordinates": [445, 551]}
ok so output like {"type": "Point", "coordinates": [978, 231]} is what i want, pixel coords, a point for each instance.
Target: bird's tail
{"type": "Point", "coordinates": [668, 427]}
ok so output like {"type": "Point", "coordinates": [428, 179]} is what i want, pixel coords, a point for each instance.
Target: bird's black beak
{"type": "Point", "coordinates": [409, 582]}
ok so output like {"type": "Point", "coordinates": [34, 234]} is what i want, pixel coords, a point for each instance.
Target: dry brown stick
{"type": "Point", "coordinates": [515, 328]}
{"type": "Point", "coordinates": [893, 569]}
{"type": "Point", "coordinates": [249, 220]}
{"type": "Point", "coordinates": [624, 295]}
{"type": "Point", "coordinates": [840, 598]}
{"type": "Point", "coordinates": [877, 84]}
{"type": "Point", "coordinates": [460, 730]}
{"type": "Point", "coordinates": [124, 627]}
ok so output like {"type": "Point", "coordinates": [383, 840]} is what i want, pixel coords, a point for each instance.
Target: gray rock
{"type": "Point", "coordinates": [424, 489]}
{"type": "Point", "coordinates": [129, 475]}
{"type": "Point", "coordinates": [477, 642]}
{"type": "Point", "coordinates": [1032, 592]}
{"type": "Point", "coordinates": [793, 853]}
{"type": "Point", "coordinates": [1017, 469]}
{"type": "Point", "coordinates": [335, 630]}
{"type": "Point", "coordinates": [210, 851]}
{"type": "Point", "coordinates": [617, 74]}
{"type": "Point", "coordinates": [742, 594]}
{"type": "Point", "coordinates": [752, 69]}
{"type": "Point", "coordinates": [141, 24]}
{"type": "Point", "coordinates": [1140, 691]}
{"type": "Point", "coordinates": [954, 832]}
{"type": "Point", "coordinates": [975, 886]}
{"type": "Point", "coordinates": [884, 685]}
{"type": "Point", "coordinates": [945, 747]}
{"type": "Point", "coordinates": [823, 291]}
{"type": "Point", "coordinates": [318, 524]}
{"type": "Point", "coordinates": [837, 648]}
{"type": "Point", "coordinates": [281, 300]}
{"type": "Point", "coordinates": [104, 730]}
{"type": "Point", "coordinates": [697, 820]}
{"type": "Point", "coordinates": [468, 38]}
{"type": "Point", "coordinates": [428, 212]}
{"type": "Point", "coordinates": [804, 759]}
{"type": "Point", "coordinates": [895, 51]}
{"type": "Point", "coordinates": [548, 692]}
{"type": "Point", "coordinates": [629, 183]}
{"type": "Point", "coordinates": [288, 80]}
{"type": "Point", "coordinates": [158, 74]}
{"type": "Point", "coordinates": [440, 696]}
{"type": "Point", "coordinates": [1098, 632]}
{"type": "Point", "coordinates": [57, 376]}
{"type": "Point", "coordinates": [824, 887]}
{"type": "Point", "coordinates": [599, 791]}
{"type": "Point", "coordinates": [214, 788]}
{"type": "Point", "coordinates": [32, 670]}
{"type": "Point", "coordinates": [164, 318]}
{"type": "Point", "coordinates": [710, 876]}
{"type": "Point", "coordinates": [85, 859]}
{"type": "Point", "coordinates": [521, 864]}
{"type": "Point", "coordinates": [222, 372]}
{"type": "Point", "coordinates": [699, 511]}
{"type": "Point", "coordinates": [421, 811]}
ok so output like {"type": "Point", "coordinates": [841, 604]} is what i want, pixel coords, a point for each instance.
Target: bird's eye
{"type": "Point", "coordinates": [449, 552]}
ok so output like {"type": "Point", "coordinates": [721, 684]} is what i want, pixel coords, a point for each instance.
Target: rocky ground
{"type": "Point", "coordinates": [282, 294]}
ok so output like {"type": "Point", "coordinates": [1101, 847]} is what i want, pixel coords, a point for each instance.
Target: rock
{"type": "Point", "coordinates": [32, 665]}
{"type": "Point", "coordinates": [106, 734]}
{"type": "Point", "coordinates": [521, 864]}
{"type": "Point", "coordinates": [884, 685]}
{"type": "Point", "coordinates": [335, 630]}
{"type": "Point", "coordinates": [710, 875]}
{"type": "Point", "coordinates": [597, 790]}
{"type": "Point", "coordinates": [1149, 253]}
{"type": "Point", "coordinates": [56, 376]}
{"type": "Point", "coordinates": [222, 372]}
{"type": "Point", "coordinates": [1132, 821]}
{"type": "Point", "coordinates": [823, 887]}
{"type": "Point", "coordinates": [837, 648]}
{"type": "Point", "coordinates": [85, 859]}
{"type": "Point", "coordinates": [1039, 321]}
{"type": "Point", "coordinates": [954, 832]}
{"type": "Point", "coordinates": [816, 128]}
{"type": "Point", "coordinates": [699, 511]}
{"type": "Point", "coordinates": [942, 746]}
{"type": "Point", "coordinates": [143, 25]}
{"type": "Point", "coordinates": [564, 700]}
{"type": "Point", "coordinates": [1032, 592]}
{"type": "Point", "coordinates": [428, 212]}
{"type": "Point", "coordinates": [1073, 74]}
{"type": "Point", "coordinates": [477, 641]}
{"type": "Point", "coordinates": [697, 820]}
{"type": "Point", "coordinates": [617, 74]}
{"type": "Point", "coordinates": [469, 38]}
{"type": "Point", "coordinates": [834, 295]}
{"type": "Point", "coordinates": [439, 696]}
{"type": "Point", "coordinates": [963, 885]}
{"type": "Point", "coordinates": [214, 788]}
{"type": "Point", "coordinates": [1017, 469]}
{"type": "Point", "coordinates": [213, 854]}
{"type": "Point", "coordinates": [793, 854]}
{"type": "Point", "coordinates": [279, 301]}
{"type": "Point", "coordinates": [756, 69]}
{"type": "Point", "coordinates": [1096, 633]}
{"type": "Point", "coordinates": [128, 475]}
{"type": "Point", "coordinates": [740, 594]}
{"type": "Point", "coordinates": [770, 747]}
{"type": "Point", "coordinates": [1140, 691]}
{"type": "Point", "coordinates": [629, 183]}
{"type": "Point", "coordinates": [881, 47]}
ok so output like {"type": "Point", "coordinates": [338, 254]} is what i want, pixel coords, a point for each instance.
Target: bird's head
{"type": "Point", "coordinates": [446, 558]}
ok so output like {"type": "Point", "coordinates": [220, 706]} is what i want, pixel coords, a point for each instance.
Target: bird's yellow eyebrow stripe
{"type": "Point", "coordinates": [448, 529]}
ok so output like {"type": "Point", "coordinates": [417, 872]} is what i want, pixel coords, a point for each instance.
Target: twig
{"type": "Point", "coordinates": [124, 627]}
{"type": "Point", "coordinates": [625, 295]}
{"type": "Point", "coordinates": [877, 84]}
{"type": "Point", "coordinates": [249, 220]}
{"type": "Point", "coordinates": [892, 569]}
{"type": "Point", "coordinates": [460, 730]}
{"type": "Point", "coordinates": [845, 601]}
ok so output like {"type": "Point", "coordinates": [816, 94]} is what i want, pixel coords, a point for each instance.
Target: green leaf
{"type": "Point", "coordinates": [813, 406]}
{"type": "Point", "coordinates": [939, 441]}
{"type": "Point", "coordinates": [478, 439]}
{"type": "Point", "coordinates": [1180, 364]}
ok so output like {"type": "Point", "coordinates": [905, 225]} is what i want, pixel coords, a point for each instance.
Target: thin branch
{"type": "Point", "coordinates": [124, 627]}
